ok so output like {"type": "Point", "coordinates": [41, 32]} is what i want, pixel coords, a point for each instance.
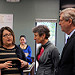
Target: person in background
{"type": "Point", "coordinates": [66, 64]}
{"type": "Point", "coordinates": [12, 58]}
{"type": "Point", "coordinates": [26, 48]}
{"type": "Point", "coordinates": [47, 54]}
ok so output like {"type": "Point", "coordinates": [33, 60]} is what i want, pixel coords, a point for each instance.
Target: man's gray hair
{"type": "Point", "coordinates": [68, 13]}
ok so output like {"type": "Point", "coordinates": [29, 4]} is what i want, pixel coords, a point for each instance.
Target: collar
{"type": "Point", "coordinates": [71, 33]}
{"type": "Point", "coordinates": [45, 45]}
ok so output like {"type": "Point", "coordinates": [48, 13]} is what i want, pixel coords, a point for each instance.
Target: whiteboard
{"type": "Point", "coordinates": [6, 20]}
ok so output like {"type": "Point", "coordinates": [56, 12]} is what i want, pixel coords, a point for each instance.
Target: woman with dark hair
{"type": "Point", "coordinates": [26, 48]}
{"type": "Point", "coordinates": [47, 54]}
{"type": "Point", "coordinates": [12, 58]}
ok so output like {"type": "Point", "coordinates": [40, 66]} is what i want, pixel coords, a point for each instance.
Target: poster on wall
{"type": "Point", "coordinates": [6, 20]}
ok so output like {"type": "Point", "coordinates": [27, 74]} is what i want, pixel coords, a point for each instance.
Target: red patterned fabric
{"type": "Point", "coordinates": [41, 51]}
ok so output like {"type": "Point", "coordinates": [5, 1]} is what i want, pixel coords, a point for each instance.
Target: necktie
{"type": "Point", "coordinates": [41, 51]}
{"type": "Point", "coordinates": [67, 39]}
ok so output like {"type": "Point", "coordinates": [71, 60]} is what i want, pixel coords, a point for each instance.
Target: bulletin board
{"type": "Point", "coordinates": [6, 20]}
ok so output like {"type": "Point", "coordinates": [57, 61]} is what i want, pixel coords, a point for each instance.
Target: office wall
{"type": "Point", "coordinates": [26, 12]}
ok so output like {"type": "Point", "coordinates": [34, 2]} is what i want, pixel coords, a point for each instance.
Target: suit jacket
{"type": "Point", "coordinates": [67, 62]}
{"type": "Point", "coordinates": [48, 60]}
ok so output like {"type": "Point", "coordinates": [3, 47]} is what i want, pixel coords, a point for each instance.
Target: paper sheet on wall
{"type": "Point", "coordinates": [6, 20]}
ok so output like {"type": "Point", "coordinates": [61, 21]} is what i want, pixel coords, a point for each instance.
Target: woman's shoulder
{"type": "Point", "coordinates": [28, 46]}
{"type": "Point", "coordinates": [18, 48]}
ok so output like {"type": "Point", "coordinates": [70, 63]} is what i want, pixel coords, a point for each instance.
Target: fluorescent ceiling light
{"type": "Point", "coordinates": [13, 0]}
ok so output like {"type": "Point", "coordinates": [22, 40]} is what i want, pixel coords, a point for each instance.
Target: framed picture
{"type": "Point", "coordinates": [6, 20]}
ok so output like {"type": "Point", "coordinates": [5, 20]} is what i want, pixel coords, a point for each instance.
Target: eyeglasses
{"type": "Point", "coordinates": [6, 35]}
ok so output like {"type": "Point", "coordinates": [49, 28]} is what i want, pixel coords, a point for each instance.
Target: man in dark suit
{"type": "Point", "coordinates": [66, 64]}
